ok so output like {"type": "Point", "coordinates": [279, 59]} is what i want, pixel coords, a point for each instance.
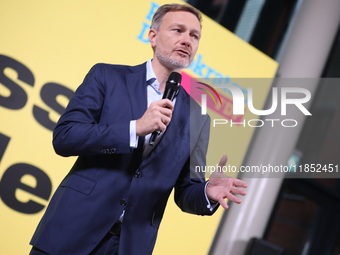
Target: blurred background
{"type": "Point", "coordinates": [48, 46]}
{"type": "Point", "coordinates": [299, 215]}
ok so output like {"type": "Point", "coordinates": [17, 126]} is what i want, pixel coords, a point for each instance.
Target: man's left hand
{"type": "Point", "coordinates": [221, 187]}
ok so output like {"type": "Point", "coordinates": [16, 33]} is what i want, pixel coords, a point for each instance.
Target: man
{"type": "Point", "coordinates": [113, 199]}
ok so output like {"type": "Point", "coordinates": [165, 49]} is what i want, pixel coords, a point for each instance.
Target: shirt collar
{"type": "Point", "coordinates": [150, 74]}
{"type": "Point", "coordinates": [151, 77]}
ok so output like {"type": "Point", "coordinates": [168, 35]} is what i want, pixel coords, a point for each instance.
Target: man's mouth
{"type": "Point", "coordinates": [183, 53]}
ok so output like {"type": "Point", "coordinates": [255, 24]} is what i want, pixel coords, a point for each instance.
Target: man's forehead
{"type": "Point", "coordinates": [183, 18]}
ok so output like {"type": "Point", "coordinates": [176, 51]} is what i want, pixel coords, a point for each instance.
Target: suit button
{"type": "Point", "coordinates": [137, 174]}
{"type": "Point", "coordinates": [123, 202]}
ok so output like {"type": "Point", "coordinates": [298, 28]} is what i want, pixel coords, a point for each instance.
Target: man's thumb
{"type": "Point", "coordinates": [223, 161]}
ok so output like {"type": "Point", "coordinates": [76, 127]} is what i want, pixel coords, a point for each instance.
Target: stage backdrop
{"type": "Point", "coordinates": [46, 49]}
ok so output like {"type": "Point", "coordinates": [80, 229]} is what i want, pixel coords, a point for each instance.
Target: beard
{"type": "Point", "coordinates": [171, 63]}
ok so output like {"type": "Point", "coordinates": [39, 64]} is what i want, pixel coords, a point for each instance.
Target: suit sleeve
{"type": "Point", "coordinates": [80, 130]}
{"type": "Point", "coordinates": [190, 187]}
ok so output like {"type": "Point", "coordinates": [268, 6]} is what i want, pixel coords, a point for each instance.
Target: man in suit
{"type": "Point", "coordinates": [113, 199]}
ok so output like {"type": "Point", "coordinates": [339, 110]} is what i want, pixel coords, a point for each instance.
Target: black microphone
{"type": "Point", "coordinates": [171, 88]}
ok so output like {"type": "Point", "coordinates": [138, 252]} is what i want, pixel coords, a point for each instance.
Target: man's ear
{"type": "Point", "coordinates": [152, 37]}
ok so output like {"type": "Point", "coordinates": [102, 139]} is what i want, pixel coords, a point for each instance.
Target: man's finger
{"type": "Point", "coordinates": [240, 183]}
{"type": "Point", "coordinates": [233, 198]}
{"type": "Point", "coordinates": [223, 203]}
{"type": "Point", "coordinates": [238, 191]}
{"type": "Point", "coordinates": [166, 112]}
{"type": "Point", "coordinates": [223, 161]}
{"type": "Point", "coordinates": [166, 103]}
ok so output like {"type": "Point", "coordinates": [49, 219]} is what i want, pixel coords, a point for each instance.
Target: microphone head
{"type": "Point", "coordinates": [175, 77]}
{"type": "Point", "coordinates": [172, 85]}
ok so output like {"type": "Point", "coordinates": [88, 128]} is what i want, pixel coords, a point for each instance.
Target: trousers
{"type": "Point", "coordinates": [108, 246]}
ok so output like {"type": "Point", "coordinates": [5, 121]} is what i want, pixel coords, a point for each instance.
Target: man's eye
{"type": "Point", "coordinates": [196, 37]}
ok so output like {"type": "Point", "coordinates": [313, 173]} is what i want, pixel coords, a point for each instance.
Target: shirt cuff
{"type": "Point", "coordinates": [211, 205]}
{"type": "Point", "coordinates": [133, 135]}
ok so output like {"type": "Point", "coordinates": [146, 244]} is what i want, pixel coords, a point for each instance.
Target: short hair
{"type": "Point", "coordinates": [164, 9]}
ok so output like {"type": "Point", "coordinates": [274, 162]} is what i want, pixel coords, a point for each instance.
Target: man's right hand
{"type": "Point", "coordinates": [156, 117]}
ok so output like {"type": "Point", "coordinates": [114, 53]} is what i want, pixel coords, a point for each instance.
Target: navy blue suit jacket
{"type": "Point", "coordinates": [109, 177]}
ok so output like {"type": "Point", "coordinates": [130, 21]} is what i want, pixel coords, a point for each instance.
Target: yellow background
{"type": "Point", "coordinates": [59, 41]}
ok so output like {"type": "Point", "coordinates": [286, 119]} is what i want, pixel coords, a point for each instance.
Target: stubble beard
{"type": "Point", "coordinates": [171, 63]}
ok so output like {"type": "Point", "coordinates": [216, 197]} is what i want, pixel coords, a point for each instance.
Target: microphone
{"type": "Point", "coordinates": [171, 88]}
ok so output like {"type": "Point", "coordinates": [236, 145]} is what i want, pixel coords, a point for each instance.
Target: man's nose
{"type": "Point", "coordinates": [186, 39]}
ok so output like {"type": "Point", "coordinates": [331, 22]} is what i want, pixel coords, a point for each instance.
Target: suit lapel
{"type": "Point", "coordinates": [136, 86]}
